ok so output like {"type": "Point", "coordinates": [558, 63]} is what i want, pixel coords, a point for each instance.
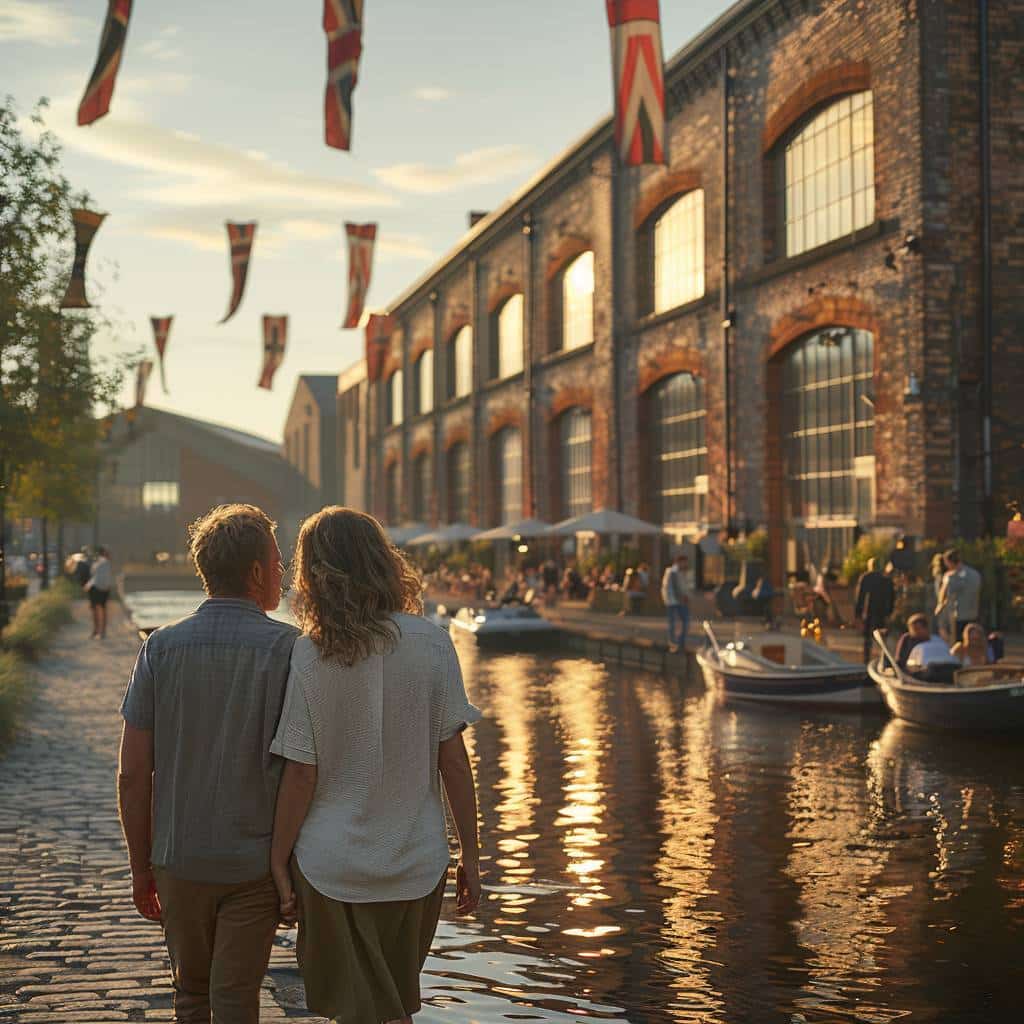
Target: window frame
{"type": "Point", "coordinates": [571, 505]}
{"type": "Point", "coordinates": [649, 253]}
{"type": "Point", "coordinates": [689, 421]}
{"type": "Point", "coordinates": [499, 369]}
{"type": "Point", "coordinates": [394, 416]}
{"type": "Point", "coordinates": [457, 369]}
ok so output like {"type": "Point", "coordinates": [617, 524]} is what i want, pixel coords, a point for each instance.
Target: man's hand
{"type": "Point", "coordinates": [144, 895]}
{"type": "Point", "coordinates": [289, 911]}
{"type": "Point", "coordinates": [467, 887]}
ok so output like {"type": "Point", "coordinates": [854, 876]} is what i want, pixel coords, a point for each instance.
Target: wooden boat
{"type": "Point", "coordinates": [984, 698]}
{"type": "Point", "coordinates": [779, 668]}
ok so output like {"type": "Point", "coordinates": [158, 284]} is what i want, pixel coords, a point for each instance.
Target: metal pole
{"type": "Point", "coordinates": [5, 616]}
{"type": "Point", "coordinates": [724, 297]}
{"type": "Point", "coordinates": [988, 507]}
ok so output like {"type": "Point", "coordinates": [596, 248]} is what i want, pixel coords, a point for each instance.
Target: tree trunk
{"type": "Point", "coordinates": [45, 582]}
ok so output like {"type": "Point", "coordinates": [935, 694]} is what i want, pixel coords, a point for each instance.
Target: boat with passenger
{"type": "Point", "coordinates": [510, 622]}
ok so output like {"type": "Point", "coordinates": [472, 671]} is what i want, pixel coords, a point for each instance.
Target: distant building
{"type": "Point", "coordinates": [352, 407]}
{"type": "Point", "coordinates": [160, 471]}
{"type": "Point", "coordinates": [310, 438]}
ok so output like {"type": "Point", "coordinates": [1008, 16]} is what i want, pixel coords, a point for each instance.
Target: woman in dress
{"type": "Point", "coordinates": [371, 728]}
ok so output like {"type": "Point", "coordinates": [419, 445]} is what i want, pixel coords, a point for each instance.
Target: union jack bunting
{"type": "Point", "coordinates": [142, 372]}
{"type": "Point", "coordinates": [86, 224]}
{"type": "Point", "coordinates": [343, 24]}
{"type": "Point", "coordinates": [378, 338]}
{"type": "Point", "coordinates": [240, 238]}
{"type": "Point", "coordinates": [275, 337]}
{"type": "Point", "coordinates": [639, 81]}
{"type": "Point", "coordinates": [360, 265]}
{"type": "Point", "coordinates": [161, 328]}
{"type": "Point", "coordinates": [96, 101]}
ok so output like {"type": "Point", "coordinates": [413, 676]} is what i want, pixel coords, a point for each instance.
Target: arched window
{"type": "Point", "coordinates": [458, 483]}
{"type": "Point", "coordinates": [829, 174]}
{"type": "Point", "coordinates": [393, 399]}
{"type": "Point", "coordinates": [678, 252]}
{"type": "Point", "coordinates": [508, 353]}
{"type": "Point", "coordinates": [392, 508]}
{"type": "Point", "coordinates": [828, 420]}
{"type": "Point", "coordinates": [578, 302]}
{"type": "Point", "coordinates": [425, 381]}
{"type": "Point", "coordinates": [574, 452]}
{"type": "Point", "coordinates": [460, 363]}
{"type": "Point", "coordinates": [508, 452]}
{"type": "Point", "coordinates": [422, 486]}
{"type": "Point", "coordinates": [678, 450]}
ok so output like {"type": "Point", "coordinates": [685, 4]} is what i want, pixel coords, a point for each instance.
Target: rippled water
{"type": "Point", "coordinates": [650, 855]}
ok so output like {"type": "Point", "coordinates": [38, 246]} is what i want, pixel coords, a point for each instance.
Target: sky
{"type": "Point", "coordinates": [218, 115]}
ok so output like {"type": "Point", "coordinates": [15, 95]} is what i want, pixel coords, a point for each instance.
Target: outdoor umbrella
{"type": "Point", "coordinates": [451, 534]}
{"type": "Point", "coordinates": [607, 521]}
{"type": "Point", "coordinates": [401, 535]}
{"type": "Point", "coordinates": [524, 528]}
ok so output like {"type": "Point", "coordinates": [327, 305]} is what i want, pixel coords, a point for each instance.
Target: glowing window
{"type": "Point", "coordinates": [394, 398]}
{"type": "Point", "coordinates": [574, 437]}
{"type": "Point", "coordinates": [510, 337]}
{"type": "Point", "coordinates": [425, 382]}
{"type": "Point", "coordinates": [578, 302]}
{"type": "Point", "coordinates": [679, 252]}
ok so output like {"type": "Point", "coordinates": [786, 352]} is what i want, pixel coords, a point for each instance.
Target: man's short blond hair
{"type": "Point", "coordinates": [226, 542]}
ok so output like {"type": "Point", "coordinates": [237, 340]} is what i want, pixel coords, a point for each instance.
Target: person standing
{"type": "Point", "coordinates": [875, 600]}
{"type": "Point", "coordinates": [197, 784]}
{"type": "Point", "coordinates": [961, 592]}
{"type": "Point", "coordinates": [675, 595]}
{"type": "Point", "coordinates": [97, 587]}
{"type": "Point", "coordinates": [371, 730]}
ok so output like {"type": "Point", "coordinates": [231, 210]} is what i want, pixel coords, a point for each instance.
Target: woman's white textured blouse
{"type": "Point", "coordinates": [376, 828]}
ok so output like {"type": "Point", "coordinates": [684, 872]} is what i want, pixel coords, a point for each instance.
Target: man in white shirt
{"type": "Point", "coordinates": [98, 588]}
{"type": "Point", "coordinates": [676, 584]}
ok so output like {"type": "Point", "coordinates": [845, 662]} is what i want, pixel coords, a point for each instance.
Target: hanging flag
{"type": "Point", "coordinates": [275, 337]}
{"type": "Point", "coordinates": [343, 23]}
{"type": "Point", "coordinates": [240, 238]}
{"type": "Point", "coordinates": [161, 328]}
{"type": "Point", "coordinates": [378, 338]}
{"type": "Point", "coordinates": [142, 372]}
{"type": "Point", "coordinates": [96, 101]}
{"type": "Point", "coordinates": [360, 264]}
{"type": "Point", "coordinates": [86, 224]}
{"type": "Point", "coordinates": [639, 81]}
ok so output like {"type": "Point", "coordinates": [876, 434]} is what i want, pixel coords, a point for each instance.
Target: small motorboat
{"type": "Point", "coordinates": [779, 668]}
{"type": "Point", "coordinates": [982, 698]}
{"type": "Point", "coordinates": [510, 623]}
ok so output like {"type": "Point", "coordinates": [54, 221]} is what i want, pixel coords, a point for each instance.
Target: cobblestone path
{"type": "Point", "coordinates": [72, 947]}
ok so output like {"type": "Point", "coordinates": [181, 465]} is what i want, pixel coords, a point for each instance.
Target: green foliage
{"type": "Point", "coordinates": [870, 545]}
{"type": "Point", "coordinates": [16, 679]}
{"type": "Point", "coordinates": [37, 620]}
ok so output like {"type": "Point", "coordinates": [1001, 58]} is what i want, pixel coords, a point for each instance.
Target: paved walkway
{"type": "Point", "coordinates": [72, 947]}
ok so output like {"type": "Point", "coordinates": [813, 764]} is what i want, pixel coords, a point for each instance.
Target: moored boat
{"type": "Point", "coordinates": [779, 668]}
{"type": "Point", "coordinates": [986, 698]}
{"type": "Point", "coordinates": [505, 624]}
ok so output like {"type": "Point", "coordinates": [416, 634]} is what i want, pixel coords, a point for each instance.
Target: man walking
{"type": "Point", "coordinates": [197, 784]}
{"type": "Point", "coordinates": [876, 598]}
{"type": "Point", "coordinates": [961, 592]}
{"type": "Point", "coordinates": [675, 595]}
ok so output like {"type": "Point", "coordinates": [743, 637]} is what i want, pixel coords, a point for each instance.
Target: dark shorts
{"type": "Point", "coordinates": [97, 597]}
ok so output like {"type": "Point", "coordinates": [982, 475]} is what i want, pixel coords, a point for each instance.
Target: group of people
{"type": "Point", "coordinates": [272, 774]}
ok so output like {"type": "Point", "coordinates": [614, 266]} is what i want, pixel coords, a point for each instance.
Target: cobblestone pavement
{"type": "Point", "coordinates": [72, 947]}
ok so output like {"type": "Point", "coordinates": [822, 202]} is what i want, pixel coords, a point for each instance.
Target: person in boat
{"type": "Point", "coordinates": [973, 648]}
{"type": "Point", "coordinates": [876, 598]}
{"type": "Point", "coordinates": [929, 659]}
{"type": "Point", "coordinates": [918, 632]}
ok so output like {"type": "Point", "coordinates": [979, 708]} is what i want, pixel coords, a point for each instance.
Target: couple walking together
{"type": "Point", "coordinates": [268, 775]}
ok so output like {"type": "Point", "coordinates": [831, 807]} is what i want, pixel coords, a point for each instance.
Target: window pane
{"type": "Point", "coordinates": [509, 445]}
{"type": "Point", "coordinates": [462, 359]}
{"type": "Point", "coordinates": [578, 302]}
{"type": "Point", "coordinates": [510, 337]}
{"type": "Point", "coordinates": [574, 433]}
{"type": "Point", "coordinates": [425, 381]}
{"type": "Point", "coordinates": [678, 449]}
{"type": "Point", "coordinates": [679, 252]}
{"type": "Point", "coordinates": [394, 398]}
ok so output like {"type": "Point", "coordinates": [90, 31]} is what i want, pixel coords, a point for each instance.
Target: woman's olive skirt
{"type": "Point", "coordinates": [361, 962]}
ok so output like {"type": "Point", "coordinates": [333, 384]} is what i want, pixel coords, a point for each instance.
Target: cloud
{"type": "Point", "coordinates": [433, 93]}
{"type": "Point", "coordinates": [477, 167]}
{"type": "Point", "coordinates": [29, 21]}
{"type": "Point", "coordinates": [158, 49]}
{"type": "Point", "coordinates": [388, 243]}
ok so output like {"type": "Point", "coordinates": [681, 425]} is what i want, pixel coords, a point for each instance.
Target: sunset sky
{"type": "Point", "coordinates": [217, 115]}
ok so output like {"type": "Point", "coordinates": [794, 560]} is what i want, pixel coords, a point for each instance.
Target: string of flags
{"type": "Point", "coordinates": [275, 337]}
{"type": "Point", "coordinates": [361, 239]}
{"type": "Point", "coordinates": [86, 223]}
{"type": "Point", "coordinates": [240, 239]}
{"type": "Point", "coordinates": [98, 93]}
{"type": "Point", "coordinates": [343, 26]}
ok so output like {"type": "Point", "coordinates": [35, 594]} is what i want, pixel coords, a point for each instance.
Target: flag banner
{"type": "Point", "coordinates": [275, 337]}
{"type": "Point", "coordinates": [96, 101]}
{"type": "Point", "coordinates": [378, 338]}
{"type": "Point", "coordinates": [161, 328]}
{"type": "Point", "coordinates": [360, 265]}
{"type": "Point", "coordinates": [240, 238]}
{"type": "Point", "coordinates": [343, 24]}
{"type": "Point", "coordinates": [638, 68]}
{"type": "Point", "coordinates": [86, 225]}
{"type": "Point", "coordinates": [142, 372]}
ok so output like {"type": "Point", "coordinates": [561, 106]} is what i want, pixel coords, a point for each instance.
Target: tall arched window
{"type": "Point", "coordinates": [510, 337]}
{"type": "Point", "coordinates": [829, 174]}
{"type": "Point", "coordinates": [678, 450]}
{"type": "Point", "coordinates": [574, 453]}
{"type": "Point", "coordinates": [828, 419]}
{"type": "Point", "coordinates": [392, 508]}
{"type": "Point", "coordinates": [460, 363]}
{"type": "Point", "coordinates": [678, 250]}
{"type": "Point", "coordinates": [425, 381]}
{"type": "Point", "coordinates": [508, 457]}
{"type": "Point", "coordinates": [422, 486]}
{"type": "Point", "coordinates": [458, 483]}
{"type": "Point", "coordinates": [393, 399]}
{"type": "Point", "coordinates": [578, 302]}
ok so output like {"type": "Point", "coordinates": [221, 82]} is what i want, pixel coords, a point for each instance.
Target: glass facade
{"type": "Point", "coordinates": [510, 337]}
{"type": "Point", "coordinates": [394, 398]}
{"type": "Point", "coordinates": [828, 441]}
{"type": "Point", "coordinates": [508, 450]}
{"type": "Point", "coordinates": [679, 252]}
{"type": "Point", "coordinates": [575, 450]}
{"type": "Point", "coordinates": [578, 302]}
{"type": "Point", "coordinates": [425, 381]}
{"type": "Point", "coordinates": [829, 175]}
{"type": "Point", "coordinates": [458, 483]}
{"type": "Point", "coordinates": [679, 453]}
{"type": "Point", "coordinates": [422, 486]}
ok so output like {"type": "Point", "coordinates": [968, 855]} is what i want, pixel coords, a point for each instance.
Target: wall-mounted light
{"type": "Point", "coordinates": [527, 224]}
{"type": "Point", "coordinates": [434, 296]}
{"type": "Point", "coordinates": [523, 549]}
{"type": "Point", "coordinates": [730, 320]}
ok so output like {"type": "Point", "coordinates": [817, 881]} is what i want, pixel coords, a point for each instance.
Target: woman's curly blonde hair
{"type": "Point", "coordinates": [349, 578]}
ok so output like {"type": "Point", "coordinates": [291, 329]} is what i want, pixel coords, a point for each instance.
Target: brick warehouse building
{"type": "Point", "coordinates": [819, 354]}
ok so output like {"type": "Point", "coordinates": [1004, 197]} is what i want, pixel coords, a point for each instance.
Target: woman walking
{"type": "Point", "coordinates": [372, 725]}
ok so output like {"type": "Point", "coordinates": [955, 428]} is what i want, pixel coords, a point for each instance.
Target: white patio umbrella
{"type": "Point", "coordinates": [522, 528]}
{"type": "Point", "coordinates": [451, 534]}
{"type": "Point", "coordinates": [403, 534]}
{"type": "Point", "coordinates": [607, 521]}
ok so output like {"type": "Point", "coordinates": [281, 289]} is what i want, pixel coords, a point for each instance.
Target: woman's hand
{"type": "Point", "coordinates": [467, 887]}
{"type": "Point", "coordinates": [289, 910]}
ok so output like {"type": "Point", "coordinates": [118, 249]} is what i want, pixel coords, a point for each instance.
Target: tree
{"type": "Point", "coordinates": [49, 386]}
